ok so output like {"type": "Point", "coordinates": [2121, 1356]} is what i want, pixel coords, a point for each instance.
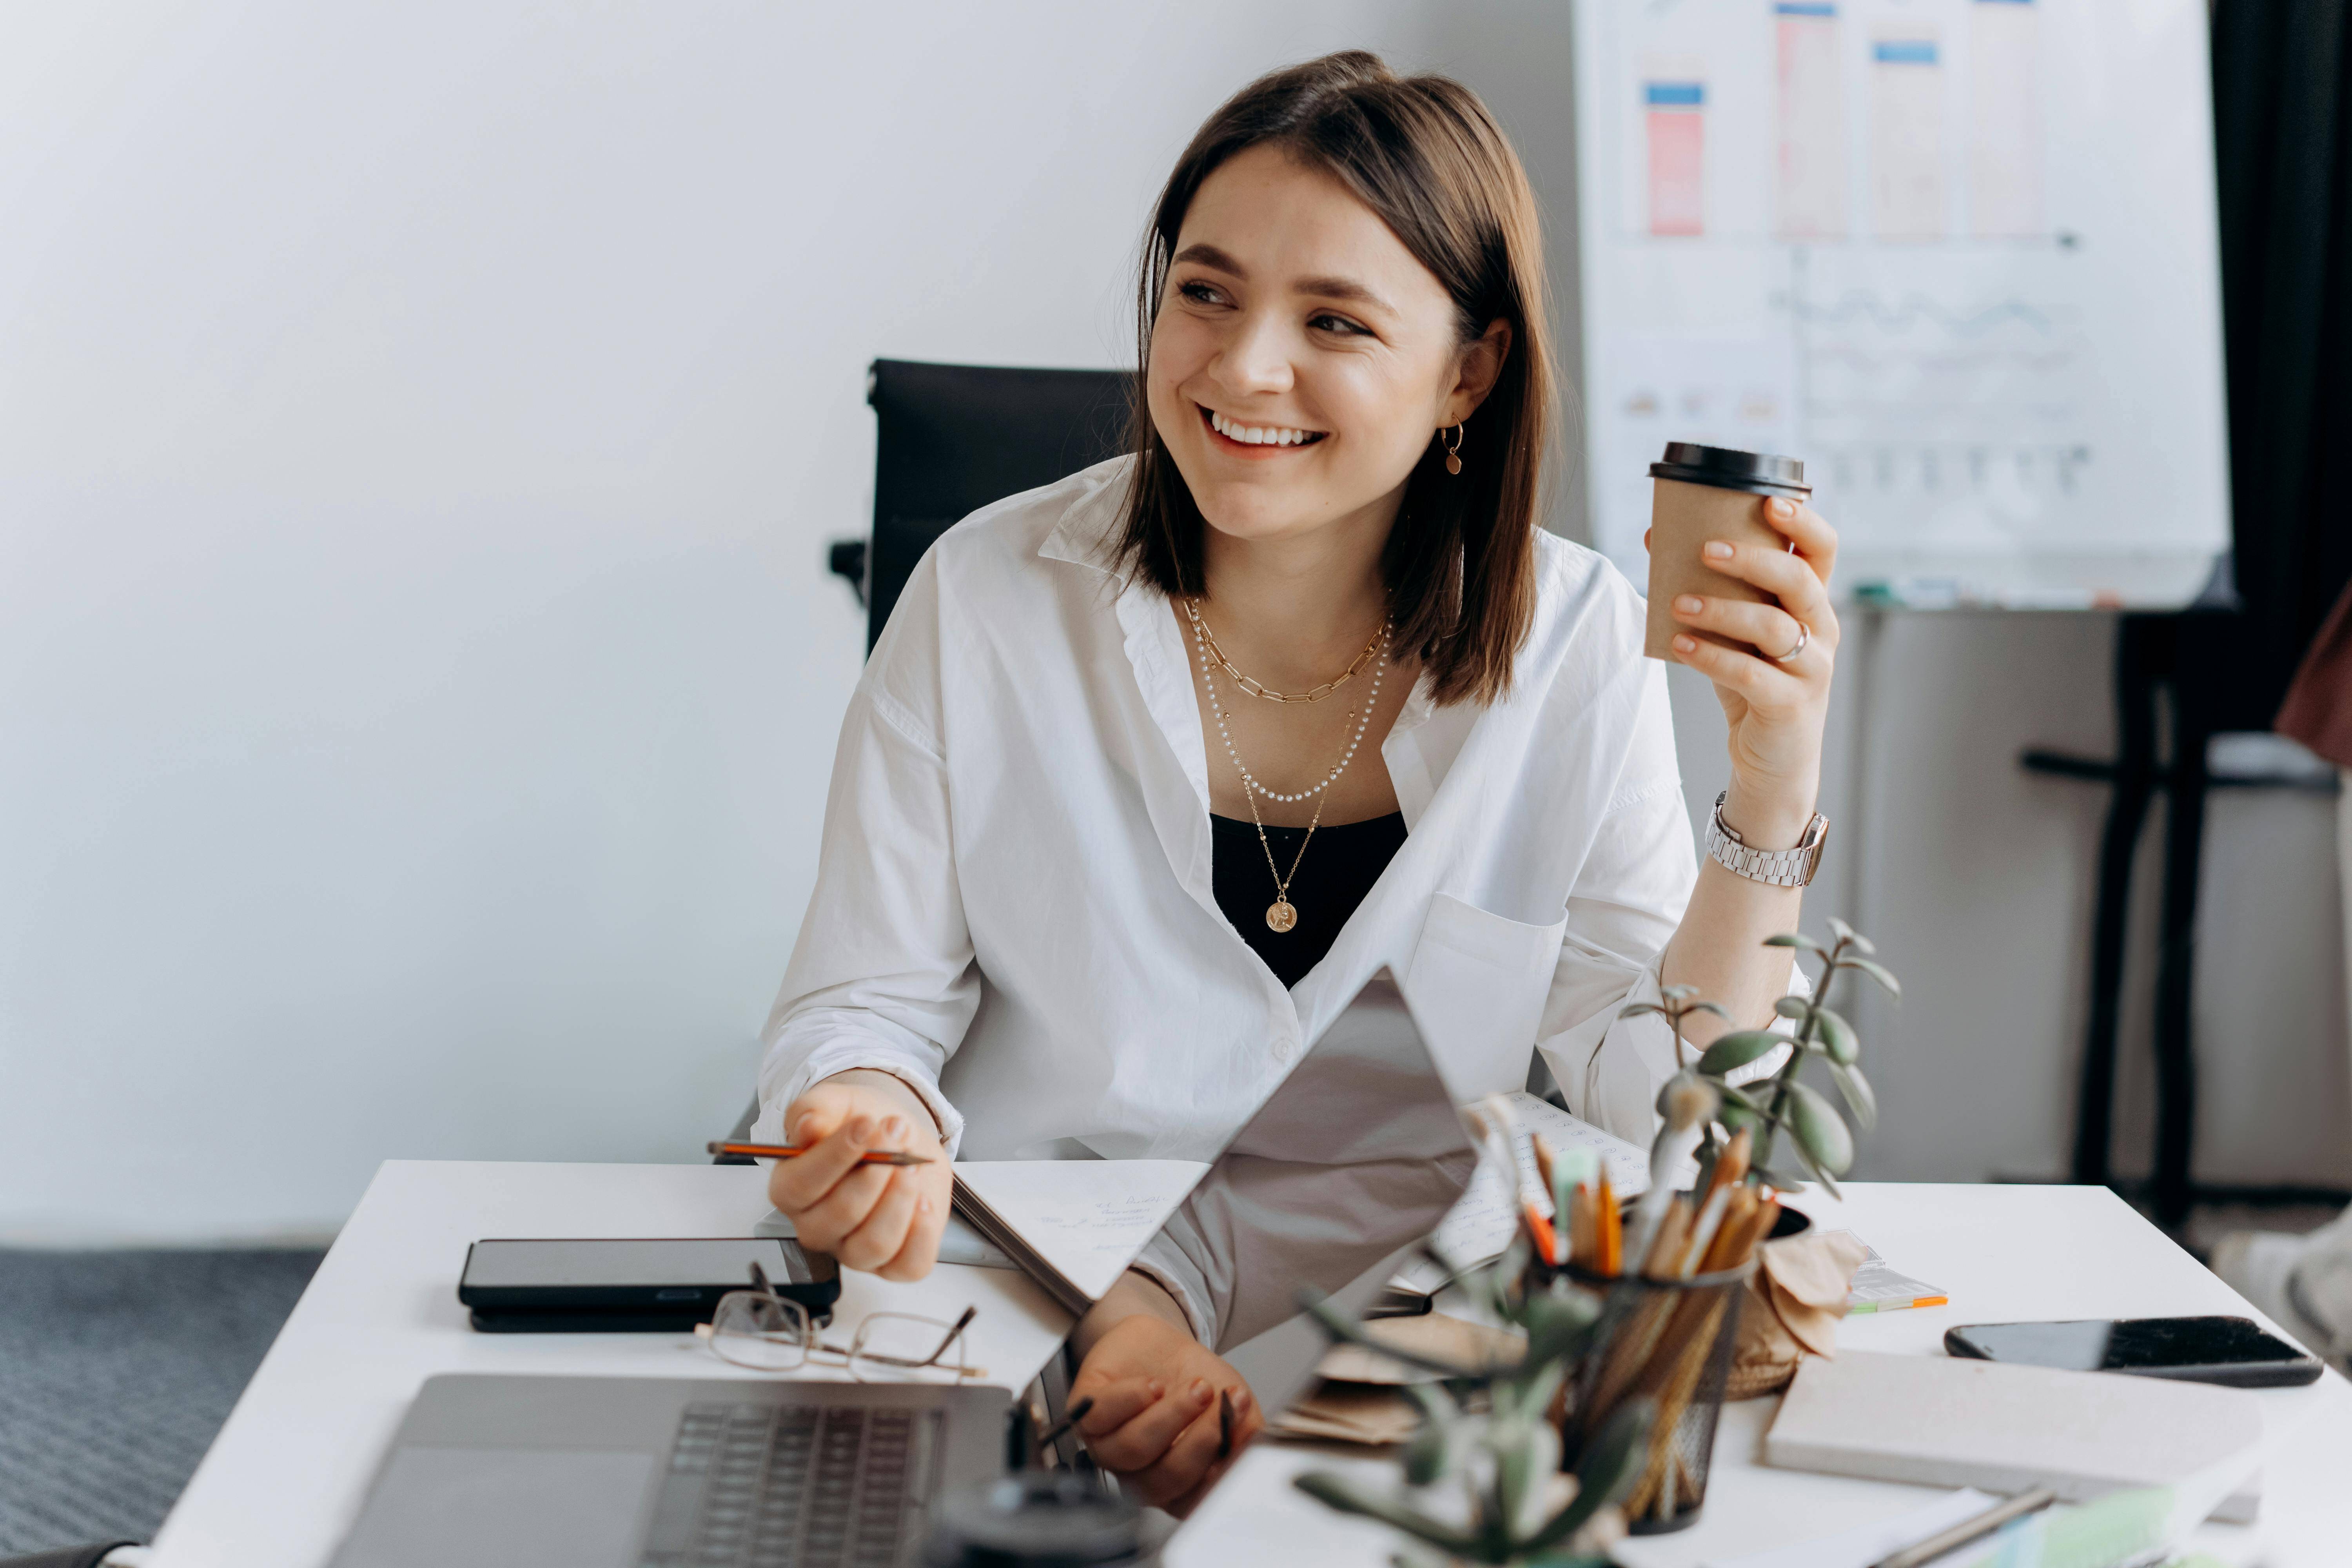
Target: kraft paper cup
{"type": "Point", "coordinates": [1701, 494]}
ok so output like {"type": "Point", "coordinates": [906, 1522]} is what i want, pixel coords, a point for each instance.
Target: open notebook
{"type": "Point", "coordinates": [1075, 1237]}
{"type": "Point", "coordinates": [1072, 1228]}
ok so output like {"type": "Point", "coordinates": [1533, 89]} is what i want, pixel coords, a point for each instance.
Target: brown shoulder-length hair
{"type": "Point", "coordinates": [1422, 153]}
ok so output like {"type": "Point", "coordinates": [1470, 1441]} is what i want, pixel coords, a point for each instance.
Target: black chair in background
{"type": "Point", "coordinates": [2205, 669]}
{"type": "Point", "coordinates": [951, 439]}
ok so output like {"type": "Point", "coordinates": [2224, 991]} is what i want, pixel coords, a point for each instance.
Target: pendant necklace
{"type": "Point", "coordinates": [1281, 915]}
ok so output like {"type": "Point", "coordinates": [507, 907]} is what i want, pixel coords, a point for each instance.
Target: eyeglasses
{"type": "Point", "coordinates": [762, 1330]}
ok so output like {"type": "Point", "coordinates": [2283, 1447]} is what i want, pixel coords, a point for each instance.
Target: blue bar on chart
{"type": "Point", "coordinates": [2005, 155]}
{"type": "Point", "coordinates": [1674, 115]}
{"type": "Point", "coordinates": [1809, 175]}
{"type": "Point", "coordinates": [1907, 136]}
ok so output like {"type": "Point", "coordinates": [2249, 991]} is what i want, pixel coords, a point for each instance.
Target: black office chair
{"type": "Point", "coordinates": [954, 437]}
{"type": "Point", "coordinates": [951, 439]}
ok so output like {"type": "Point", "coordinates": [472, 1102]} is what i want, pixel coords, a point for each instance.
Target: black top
{"type": "Point", "coordinates": [1340, 867]}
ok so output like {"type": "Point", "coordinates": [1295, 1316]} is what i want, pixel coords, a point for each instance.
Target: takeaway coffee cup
{"type": "Point", "coordinates": [1703, 493]}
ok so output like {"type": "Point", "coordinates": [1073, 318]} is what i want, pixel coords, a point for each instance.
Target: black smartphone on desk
{"type": "Point", "coordinates": [648, 1285]}
{"type": "Point", "coordinates": [2234, 1350]}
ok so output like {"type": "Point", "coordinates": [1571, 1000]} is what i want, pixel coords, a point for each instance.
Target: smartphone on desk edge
{"type": "Point", "coordinates": [648, 1285]}
{"type": "Point", "coordinates": [2238, 1352]}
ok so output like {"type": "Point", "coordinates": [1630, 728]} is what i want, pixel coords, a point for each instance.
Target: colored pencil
{"type": "Point", "coordinates": [793, 1151]}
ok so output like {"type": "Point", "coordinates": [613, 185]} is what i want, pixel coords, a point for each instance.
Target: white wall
{"type": "Point", "coordinates": [420, 427]}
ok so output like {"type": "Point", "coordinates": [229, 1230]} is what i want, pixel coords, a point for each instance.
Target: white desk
{"type": "Point", "coordinates": [2004, 1253]}
{"type": "Point", "coordinates": [288, 1471]}
{"type": "Point", "coordinates": [285, 1478]}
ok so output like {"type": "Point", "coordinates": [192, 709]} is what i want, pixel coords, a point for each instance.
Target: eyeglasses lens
{"type": "Point", "coordinates": [756, 1331]}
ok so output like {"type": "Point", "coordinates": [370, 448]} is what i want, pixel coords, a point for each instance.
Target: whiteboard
{"type": "Point", "coordinates": [1957, 254]}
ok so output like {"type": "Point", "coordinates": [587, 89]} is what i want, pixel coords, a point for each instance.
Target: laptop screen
{"type": "Point", "coordinates": [1348, 1165]}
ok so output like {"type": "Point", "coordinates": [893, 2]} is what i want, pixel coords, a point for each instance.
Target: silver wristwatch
{"type": "Point", "coordinates": [1781, 867]}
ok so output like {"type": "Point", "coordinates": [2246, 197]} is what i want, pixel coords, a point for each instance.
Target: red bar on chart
{"type": "Point", "coordinates": [1677, 133]}
{"type": "Point", "coordinates": [1906, 136]}
{"type": "Point", "coordinates": [2004, 120]}
{"type": "Point", "coordinates": [1809, 174]}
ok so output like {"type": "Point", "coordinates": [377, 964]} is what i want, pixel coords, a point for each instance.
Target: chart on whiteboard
{"type": "Point", "coordinates": [1957, 255]}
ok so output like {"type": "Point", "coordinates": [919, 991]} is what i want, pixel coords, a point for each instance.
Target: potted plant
{"type": "Point", "coordinates": [1818, 1135]}
{"type": "Point", "coordinates": [1481, 1476]}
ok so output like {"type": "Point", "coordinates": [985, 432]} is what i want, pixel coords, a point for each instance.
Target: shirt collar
{"type": "Point", "coordinates": [1083, 536]}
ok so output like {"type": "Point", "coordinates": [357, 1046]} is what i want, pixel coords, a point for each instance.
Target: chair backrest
{"type": "Point", "coordinates": [954, 437]}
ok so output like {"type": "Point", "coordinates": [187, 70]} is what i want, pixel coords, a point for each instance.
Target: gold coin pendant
{"type": "Point", "coordinates": [1453, 464]}
{"type": "Point", "coordinates": [1280, 916]}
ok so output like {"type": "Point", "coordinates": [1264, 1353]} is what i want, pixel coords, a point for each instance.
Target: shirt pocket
{"type": "Point", "coordinates": [1477, 983]}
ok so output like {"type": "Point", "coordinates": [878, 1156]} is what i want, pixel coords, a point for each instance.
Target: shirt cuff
{"type": "Point", "coordinates": [823, 1063]}
{"type": "Point", "coordinates": [1172, 1273]}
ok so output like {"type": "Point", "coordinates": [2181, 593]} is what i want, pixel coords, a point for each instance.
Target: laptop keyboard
{"type": "Point", "coordinates": [785, 1485]}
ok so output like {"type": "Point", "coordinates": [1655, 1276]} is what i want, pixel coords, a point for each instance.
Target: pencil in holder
{"type": "Point", "coordinates": [1671, 1340]}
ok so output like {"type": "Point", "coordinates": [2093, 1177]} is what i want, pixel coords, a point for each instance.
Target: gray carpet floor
{"type": "Point", "coordinates": [116, 1370]}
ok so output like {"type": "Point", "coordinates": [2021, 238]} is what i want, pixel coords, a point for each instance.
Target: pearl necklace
{"type": "Point", "coordinates": [1281, 915]}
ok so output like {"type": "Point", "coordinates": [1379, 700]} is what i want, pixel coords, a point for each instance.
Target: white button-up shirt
{"type": "Point", "coordinates": [1013, 909]}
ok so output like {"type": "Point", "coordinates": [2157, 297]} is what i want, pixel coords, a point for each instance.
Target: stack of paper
{"type": "Point", "coordinates": [1944, 1421]}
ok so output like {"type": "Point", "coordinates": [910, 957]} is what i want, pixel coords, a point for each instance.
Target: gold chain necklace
{"type": "Point", "coordinates": [1256, 688]}
{"type": "Point", "coordinates": [1281, 915]}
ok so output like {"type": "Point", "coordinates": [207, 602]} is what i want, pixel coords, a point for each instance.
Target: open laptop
{"type": "Point", "coordinates": [1348, 1165]}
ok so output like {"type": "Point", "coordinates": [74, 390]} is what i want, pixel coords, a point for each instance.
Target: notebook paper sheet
{"type": "Point", "coordinates": [1087, 1218]}
{"type": "Point", "coordinates": [1481, 1224]}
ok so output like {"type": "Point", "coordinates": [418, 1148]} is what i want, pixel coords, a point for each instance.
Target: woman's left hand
{"type": "Point", "coordinates": [1775, 706]}
{"type": "Point", "coordinates": [1158, 1422]}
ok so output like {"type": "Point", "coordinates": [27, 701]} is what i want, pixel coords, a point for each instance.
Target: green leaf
{"type": "Point", "coordinates": [1793, 939]}
{"type": "Point", "coordinates": [1780, 1179]}
{"type": "Point", "coordinates": [1605, 1472]}
{"type": "Point", "coordinates": [1793, 1006]}
{"type": "Point", "coordinates": [1558, 1326]}
{"type": "Point", "coordinates": [1850, 937]}
{"type": "Point", "coordinates": [1820, 1129]}
{"type": "Point", "coordinates": [1736, 1114]}
{"type": "Point", "coordinates": [1823, 1177]}
{"type": "Point", "coordinates": [1736, 1050]}
{"type": "Point", "coordinates": [1428, 1455]}
{"type": "Point", "coordinates": [1838, 1037]}
{"type": "Point", "coordinates": [1858, 1094]}
{"type": "Point", "coordinates": [1706, 1007]}
{"type": "Point", "coordinates": [1526, 1455]}
{"type": "Point", "coordinates": [1638, 1010]}
{"type": "Point", "coordinates": [1338, 1492]}
{"type": "Point", "coordinates": [1877, 972]}
{"type": "Point", "coordinates": [1677, 993]}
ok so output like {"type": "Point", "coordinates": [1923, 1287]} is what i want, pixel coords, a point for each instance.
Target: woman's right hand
{"type": "Point", "coordinates": [884, 1219]}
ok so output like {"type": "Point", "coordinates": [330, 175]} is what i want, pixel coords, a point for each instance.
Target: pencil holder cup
{"type": "Point", "coordinates": [1672, 1340]}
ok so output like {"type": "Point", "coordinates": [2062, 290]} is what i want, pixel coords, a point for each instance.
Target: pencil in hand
{"type": "Point", "coordinates": [794, 1152]}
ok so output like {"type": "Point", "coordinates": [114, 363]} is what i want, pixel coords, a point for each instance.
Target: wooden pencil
{"type": "Point", "coordinates": [1613, 1231]}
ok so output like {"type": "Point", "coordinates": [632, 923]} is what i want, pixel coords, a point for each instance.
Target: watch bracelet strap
{"type": "Point", "coordinates": [1792, 867]}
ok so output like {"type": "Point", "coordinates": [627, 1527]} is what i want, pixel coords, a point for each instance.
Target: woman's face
{"type": "Point", "coordinates": [1302, 359]}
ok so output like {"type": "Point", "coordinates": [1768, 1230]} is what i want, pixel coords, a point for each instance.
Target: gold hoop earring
{"type": "Point", "coordinates": [1452, 450]}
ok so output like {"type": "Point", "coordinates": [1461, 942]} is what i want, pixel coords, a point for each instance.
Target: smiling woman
{"type": "Point", "coordinates": [1345, 260]}
{"type": "Point", "coordinates": [1156, 771]}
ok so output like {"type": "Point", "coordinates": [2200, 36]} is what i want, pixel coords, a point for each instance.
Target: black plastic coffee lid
{"type": "Point", "coordinates": [1758, 473]}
